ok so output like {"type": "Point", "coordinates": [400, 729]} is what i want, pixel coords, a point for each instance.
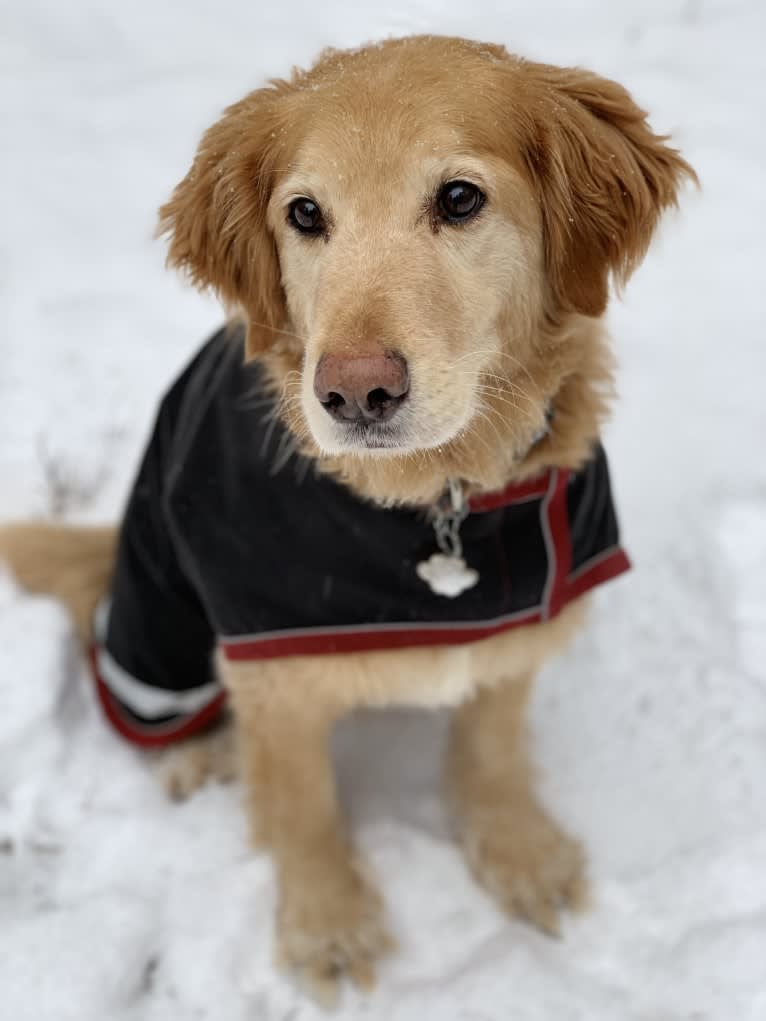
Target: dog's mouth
{"type": "Point", "coordinates": [366, 435]}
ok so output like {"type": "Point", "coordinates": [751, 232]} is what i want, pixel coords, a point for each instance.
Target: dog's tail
{"type": "Point", "coordinates": [71, 564]}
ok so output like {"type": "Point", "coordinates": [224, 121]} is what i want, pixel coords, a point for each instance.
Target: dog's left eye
{"type": "Point", "coordinates": [306, 216]}
{"type": "Point", "coordinates": [458, 201]}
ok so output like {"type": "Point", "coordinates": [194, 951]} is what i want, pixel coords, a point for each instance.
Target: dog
{"type": "Point", "coordinates": [382, 482]}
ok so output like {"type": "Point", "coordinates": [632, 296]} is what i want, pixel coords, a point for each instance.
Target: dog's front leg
{"type": "Point", "coordinates": [515, 850]}
{"type": "Point", "coordinates": [330, 920]}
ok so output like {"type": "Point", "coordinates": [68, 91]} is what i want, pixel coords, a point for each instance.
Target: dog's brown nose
{"type": "Point", "coordinates": [361, 387]}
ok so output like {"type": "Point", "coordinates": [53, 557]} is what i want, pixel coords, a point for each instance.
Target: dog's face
{"type": "Point", "coordinates": [406, 223]}
{"type": "Point", "coordinates": [405, 254]}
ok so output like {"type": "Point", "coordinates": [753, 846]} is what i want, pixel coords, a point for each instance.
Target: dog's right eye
{"type": "Point", "coordinates": [459, 201]}
{"type": "Point", "coordinates": [306, 216]}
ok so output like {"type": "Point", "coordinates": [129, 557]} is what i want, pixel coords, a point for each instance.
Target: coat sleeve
{"type": "Point", "coordinates": [154, 644]}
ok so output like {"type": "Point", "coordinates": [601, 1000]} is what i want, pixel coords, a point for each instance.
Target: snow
{"type": "Point", "coordinates": [651, 734]}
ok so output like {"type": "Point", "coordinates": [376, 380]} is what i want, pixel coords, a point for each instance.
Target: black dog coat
{"type": "Point", "coordinates": [232, 541]}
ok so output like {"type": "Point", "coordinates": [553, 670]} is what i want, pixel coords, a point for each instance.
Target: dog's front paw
{"type": "Point", "coordinates": [331, 924]}
{"type": "Point", "coordinates": [527, 863]}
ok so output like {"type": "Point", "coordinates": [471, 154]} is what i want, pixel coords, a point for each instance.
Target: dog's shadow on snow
{"type": "Point", "coordinates": [389, 767]}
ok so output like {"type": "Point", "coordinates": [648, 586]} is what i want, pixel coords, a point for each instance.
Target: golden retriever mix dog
{"type": "Point", "coordinates": [418, 240]}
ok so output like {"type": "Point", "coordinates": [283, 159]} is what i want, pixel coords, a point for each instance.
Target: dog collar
{"type": "Point", "coordinates": [446, 572]}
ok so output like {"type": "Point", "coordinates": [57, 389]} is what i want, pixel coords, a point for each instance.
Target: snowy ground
{"type": "Point", "coordinates": [652, 735]}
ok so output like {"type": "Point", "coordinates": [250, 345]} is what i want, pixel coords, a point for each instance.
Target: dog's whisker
{"type": "Point", "coordinates": [278, 329]}
{"type": "Point", "coordinates": [478, 353]}
{"type": "Point", "coordinates": [532, 417]}
{"type": "Point", "coordinates": [505, 387]}
{"type": "Point", "coordinates": [504, 383]}
{"type": "Point", "coordinates": [496, 396]}
{"type": "Point", "coordinates": [288, 446]}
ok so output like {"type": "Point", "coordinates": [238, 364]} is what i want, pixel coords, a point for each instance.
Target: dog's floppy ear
{"type": "Point", "coordinates": [216, 217]}
{"type": "Point", "coordinates": [603, 177]}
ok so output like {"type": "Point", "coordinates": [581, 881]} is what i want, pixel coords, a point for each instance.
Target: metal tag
{"type": "Point", "coordinates": [446, 573]}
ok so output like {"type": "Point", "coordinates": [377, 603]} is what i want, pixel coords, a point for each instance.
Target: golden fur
{"type": "Point", "coordinates": [498, 319]}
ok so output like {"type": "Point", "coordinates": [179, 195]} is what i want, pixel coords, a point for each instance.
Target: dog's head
{"type": "Point", "coordinates": [405, 224]}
